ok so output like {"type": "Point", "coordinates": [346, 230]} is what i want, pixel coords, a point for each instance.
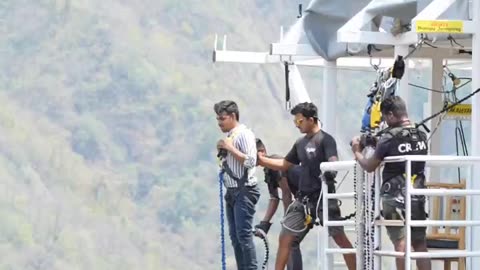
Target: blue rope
{"type": "Point", "coordinates": [222, 220]}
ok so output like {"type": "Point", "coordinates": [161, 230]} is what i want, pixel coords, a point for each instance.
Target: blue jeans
{"type": "Point", "coordinates": [240, 209]}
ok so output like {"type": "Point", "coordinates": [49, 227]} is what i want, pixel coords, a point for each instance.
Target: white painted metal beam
{"type": "Point", "coordinates": [358, 21]}
{"type": "Point", "coordinates": [435, 101]}
{"type": "Point", "coordinates": [474, 241]}
{"type": "Point", "coordinates": [329, 98]}
{"type": "Point", "coordinates": [301, 49]}
{"type": "Point", "coordinates": [380, 38]}
{"type": "Point", "coordinates": [305, 50]}
{"type": "Point", "coordinates": [256, 57]}
{"type": "Point", "coordinates": [434, 10]}
{"type": "Point", "coordinates": [469, 27]}
{"type": "Point", "coordinates": [298, 90]}
{"type": "Point", "coordinates": [244, 57]}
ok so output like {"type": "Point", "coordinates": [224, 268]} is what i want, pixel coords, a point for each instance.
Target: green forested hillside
{"type": "Point", "coordinates": [107, 131]}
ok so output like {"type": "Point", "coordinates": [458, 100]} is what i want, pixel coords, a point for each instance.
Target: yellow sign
{"type": "Point", "coordinates": [460, 110]}
{"type": "Point", "coordinates": [439, 26]}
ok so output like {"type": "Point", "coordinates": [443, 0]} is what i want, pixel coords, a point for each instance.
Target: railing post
{"type": "Point", "coordinates": [324, 229]}
{"type": "Point", "coordinates": [408, 215]}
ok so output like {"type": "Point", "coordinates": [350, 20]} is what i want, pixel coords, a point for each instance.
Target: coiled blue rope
{"type": "Point", "coordinates": [222, 220]}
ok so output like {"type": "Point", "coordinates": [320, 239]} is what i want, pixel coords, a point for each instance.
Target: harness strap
{"type": "Point", "coordinates": [226, 169]}
{"type": "Point", "coordinates": [240, 181]}
{"type": "Point", "coordinates": [418, 211]}
{"type": "Point", "coordinates": [395, 187]}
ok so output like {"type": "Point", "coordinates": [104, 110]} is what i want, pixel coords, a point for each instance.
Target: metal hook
{"type": "Point", "coordinates": [375, 66]}
{"type": "Point", "coordinates": [300, 11]}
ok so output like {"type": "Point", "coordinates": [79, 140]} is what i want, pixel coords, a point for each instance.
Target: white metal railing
{"type": "Point", "coordinates": [325, 252]}
{"type": "Point", "coordinates": [325, 257]}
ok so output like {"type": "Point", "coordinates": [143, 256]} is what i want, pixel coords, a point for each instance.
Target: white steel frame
{"type": "Point", "coordinates": [432, 12]}
{"type": "Point", "coordinates": [288, 49]}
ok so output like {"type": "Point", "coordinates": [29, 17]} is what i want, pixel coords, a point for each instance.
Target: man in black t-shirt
{"type": "Point", "coordinates": [288, 184]}
{"type": "Point", "coordinates": [309, 151]}
{"type": "Point", "coordinates": [275, 180]}
{"type": "Point", "coordinates": [401, 138]}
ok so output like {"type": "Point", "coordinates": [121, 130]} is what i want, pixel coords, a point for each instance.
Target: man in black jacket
{"type": "Point", "coordinates": [400, 138]}
{"type": "Point", "coordinates": [288, 184]}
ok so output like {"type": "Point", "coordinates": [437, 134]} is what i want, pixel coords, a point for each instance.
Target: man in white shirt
{"type": "Point", "coordinates": [239, 158]}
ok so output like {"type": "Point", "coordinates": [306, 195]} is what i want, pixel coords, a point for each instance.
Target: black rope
{"type": "Point", "coordinates": [371, 47]}
{"type": "Point", "coordinates": [442, 91]}
{"type": "Point", "coordinates": [430, 45]}
{"type": "Point", "coordinates": [464, 143]}
{"type": "Point", "coordinates": [436, 126]}
{"type": "Point", "coordinates": [415, 47]}
{"type": "Point", "coordinates": [352, 215]}
{"type": "Point", "coordinates": [300, 11]}
{"type": "Point", "coordinates": [464, 51]}
{"type": "Point", "coordinates": [446, 108]}
{"type": "Point", "coordinates": [428, 89]}
{"type": "Point", "coordinates": [454, 41]}
{"type": "Point", "coordinates": [287, 86]}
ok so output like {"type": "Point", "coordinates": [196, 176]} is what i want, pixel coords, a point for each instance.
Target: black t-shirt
{"type": "Point", "coordinates": [272, 178]}
{"type": "Point", "coordinates": [293, 178]}
{"type": "Point", "coordinates": [401, 141]}
{"type": "Point", "coordinates": [309, 152]}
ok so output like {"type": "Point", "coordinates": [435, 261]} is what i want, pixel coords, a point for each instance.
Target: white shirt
{"type": "Point", "coordinates": [243, 140]}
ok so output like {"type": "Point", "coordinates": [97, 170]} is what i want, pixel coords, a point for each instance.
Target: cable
{"type": "Point", "coordinates": [287, 86]}
{"type": "Point", "coordinates": [452, 41]}
{"type": "Point", "coordinates": [436, 126]}
{"type": "Point", "coordinates": [417, 45]}
{"type": "Point", "coordinates": [428, 89]}
{"type": "Point", "coordinates": [343, 179]}
{"type": "Point", "coordinates": [422, 123]}
{"type": "Point", "coordinates": [442, 91]}
{"type": "Point", "coordinates": [430, 45]}
{"type": "Point", "coordinates": [464, 143]}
